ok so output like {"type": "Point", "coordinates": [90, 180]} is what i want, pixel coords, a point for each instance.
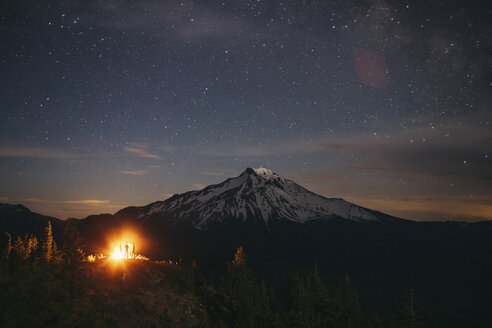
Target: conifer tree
{"type": "Point", "coordinates": [19, 249]}
{"type": "Point", "coordinates": [31, 245]}
{"type": "Point", "coordinates": [49, 246]}
{"type": "Point", "coordinates": [300, 310]}
{"type": "Point", "coordinates": [243, 295]}
{"type": "Point", "coordinates": [72, 255]}
{"type": "Point", "coordinates": [411, 314]}
{"type": "Point", "coordinates": [8, 248]}
{"type": "Point", "coordinates": [239, 257]}
{"type": "Point", "coordinates": [72, 245]}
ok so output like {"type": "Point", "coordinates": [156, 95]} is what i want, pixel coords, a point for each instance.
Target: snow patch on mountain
{"type": "Point", "coordinates": [265, 173]}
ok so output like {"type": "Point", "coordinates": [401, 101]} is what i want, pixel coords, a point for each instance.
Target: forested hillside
{"type": "Point", "coordinates": [48, 284]}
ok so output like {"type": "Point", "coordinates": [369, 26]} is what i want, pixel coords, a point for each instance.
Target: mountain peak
{"type": "Point", "coordinates": [13, 207]}
{"type": "Point", "coordinates": [262, 172]}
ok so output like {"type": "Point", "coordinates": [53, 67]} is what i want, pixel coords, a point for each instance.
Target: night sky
{"type": "Point", "coordinates": [106, 104]}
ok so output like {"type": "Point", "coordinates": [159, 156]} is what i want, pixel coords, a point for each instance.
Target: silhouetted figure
{"type": "Point", "coordinates": [133, 250]}
{"type": "Point", "coordinates": [126, 250]}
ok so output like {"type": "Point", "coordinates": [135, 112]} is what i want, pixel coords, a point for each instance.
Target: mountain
{"type": "Point", "coordinates": [257, 195]}
{"type": "Point", "coordinates": [19, 220]}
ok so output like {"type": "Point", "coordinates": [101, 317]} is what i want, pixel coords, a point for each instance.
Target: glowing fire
{"type": "Point", "coordinates": [123, 251]}
{"type": "Point", "coordinates": [93, 258]}
{"type": "Point", "coordinates": [121, 246]}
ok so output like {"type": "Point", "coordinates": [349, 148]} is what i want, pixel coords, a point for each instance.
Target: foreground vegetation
{"type": "Point", "coordinates": [43, 285]}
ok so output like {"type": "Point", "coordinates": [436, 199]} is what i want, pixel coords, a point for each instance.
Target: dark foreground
{"type": "Point", "coordinates": [42, 285]}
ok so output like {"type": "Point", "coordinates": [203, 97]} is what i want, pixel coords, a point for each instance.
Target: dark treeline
{"type": "Point", "coordinates": [40, 283]}
{"type": "Point", "coordinates": [43, 284]}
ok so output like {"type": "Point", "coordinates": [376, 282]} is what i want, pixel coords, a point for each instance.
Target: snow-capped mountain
{"type": "Point", "coordinates": [256, 195]}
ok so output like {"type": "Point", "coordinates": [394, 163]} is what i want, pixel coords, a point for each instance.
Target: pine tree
{"type": "Point", "coordinates": [411, 316]}
{"type": "Point", "coordinates": [8, 248]}
{"type": "Point", "coordinates": [49, 246]}
{"type": "Point", "coordinates": [31, 245]}
{"type": "Point", "coordinates": [350, 303]}
{"type": "Point", "coordinates": [243, 296]}
{"type": "Point", "coordinates": [300, 309]}
{"type": "Point", "coordinates": [72, 255]}
{"type": "Point", "coordinates": [19, 249]}
{"type": "Point", "coordinates": [239, 257]}
{"type": "Point", "coordinates": [72, 245]}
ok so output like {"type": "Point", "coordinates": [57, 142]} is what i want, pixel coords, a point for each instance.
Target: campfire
{"type": "Point", "coordinates": [121, 246]}
{"type": "Point", "coordinates": [123, 251]}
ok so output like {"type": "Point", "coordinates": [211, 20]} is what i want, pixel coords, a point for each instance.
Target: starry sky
{"type": "Point", "coordinates": [106, 104]}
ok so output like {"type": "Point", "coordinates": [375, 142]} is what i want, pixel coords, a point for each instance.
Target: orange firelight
{"type": "Point", "coordinates": [122, 244]}
{"type": "Point", "coordinates": [123, 251]}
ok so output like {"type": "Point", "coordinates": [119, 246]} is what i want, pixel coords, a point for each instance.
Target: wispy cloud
{"type": "Point", "coordinates": [212, 173]}
{"type": "Point", "coordinates": [317, 176]}
{"type": "Point", "coordinates": [137, 172]}
{"type": "Point", "coordinates": [433, 208]}
{"type": "Point", "coordinates": [140, 150]}
{"type": "Point", "coordinates": [166, 196]}
{"type": "Point", "coordinates": [59, 208]}
{"type": "Point", "coordinates": [167, 148]}
{"type": "Point", "coordinates": [173, 19]}
{"type": "Point", "coordinates": [265, 149]}
{"type": "Point", "coordinates": [197, 186]}
{"type": "Point", "coordinates": [444, 150]}
{"type": "Point", "coordinates": [91, 202]}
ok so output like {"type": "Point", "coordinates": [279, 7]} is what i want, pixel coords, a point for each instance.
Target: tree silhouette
{"type": "Point", "coordinates": [411, 316]}
{"type": "Point", "coordinates": [249, 305]}
{"type": "Point", "coordinates": [8, 248]}
{"type": "Point", "coordinates": [72, 255]}
{"type": "Point", "coordinates": [49, 246]}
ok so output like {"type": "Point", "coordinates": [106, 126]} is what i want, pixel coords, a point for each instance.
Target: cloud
{"type": "Point", "coordinates": [243, 150]}
{"type": "Point", "coordinates": [166, 196]}
{"type": "Point", "coordinates": [446, 150]}
{"type": "Point", "coordinates": [385, 169]}
{"type": "Point", "coordinates": [212, 173]}
{"type": "Point", "coordinates": [36, 152]}
{"type": "Point", "coordinates": [90, 202]}
{"type": "Point", "coordinates": [140, 150]}
{"type": "Point", "coordinates": [441, 151]}
{"type": "Point", "coordinates": [318, 176]}
{"type": "Point", "coordinates": [79, 208]}
{"type": "Point", "coordinates": [137, 172]}
{"type": "Point", "coordinates": [266, 148]}
{"type": "Point", "coordinates": [197, 186]}
{"type": "Point", "coordinates": [436, 208]}
{"type": "Point", "coordinates": [166, 19]}
{"type": "Point", "coordinates": [167, 149]}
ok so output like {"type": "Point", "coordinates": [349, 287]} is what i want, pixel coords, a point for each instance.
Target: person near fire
{"type": "Point", "coordinates": [126, 251]}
